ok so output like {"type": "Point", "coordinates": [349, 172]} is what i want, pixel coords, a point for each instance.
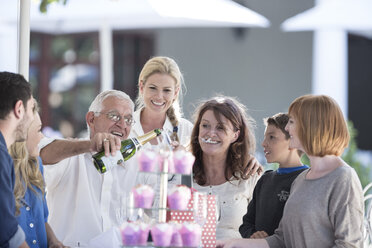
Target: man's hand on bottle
{"type": "Point", "coordinates": [105, 141]}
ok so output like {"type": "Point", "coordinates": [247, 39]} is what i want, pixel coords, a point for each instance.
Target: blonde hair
{"type": "Point", "coordinates": [320, 125]}
{"type": "Point", "coordinates": [27, 172]}
{"type": "Point", "coordinates": [164, 65]}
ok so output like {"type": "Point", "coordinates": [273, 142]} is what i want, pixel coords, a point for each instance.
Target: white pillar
{"type": "Point", "coordinates": [330, 66]}
{"type": "Point", "coordinates": [24, 38]}
{"type": "Point", "coordinates": [105, 47]}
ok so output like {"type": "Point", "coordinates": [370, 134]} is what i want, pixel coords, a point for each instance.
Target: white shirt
{"type": "Point", "coordinates": [184, 128]}
{"type": "Point", "coordinates": [82, 202]}
{"type": "Point", "coordinates": [233, 199]}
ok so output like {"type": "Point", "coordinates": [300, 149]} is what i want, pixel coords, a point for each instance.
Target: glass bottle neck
{"type": "Point", "coordinates": [143, 139]}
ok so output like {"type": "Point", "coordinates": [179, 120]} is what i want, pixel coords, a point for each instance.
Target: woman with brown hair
{"type": "Point", "coordinates": [223, 144]}
{"type": "Point", "coordinates": [325, 206]}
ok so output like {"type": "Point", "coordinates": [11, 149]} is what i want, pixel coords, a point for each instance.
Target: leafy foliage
{"type": "Point", "coordinates": [350, 157]}
{"type": "Point", "coordinates": [44, 4]}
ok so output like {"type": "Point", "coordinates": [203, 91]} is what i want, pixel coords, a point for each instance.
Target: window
{"type": "Point", "coordinates": [65, 75]}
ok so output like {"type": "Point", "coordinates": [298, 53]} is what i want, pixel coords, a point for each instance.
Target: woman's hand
{"type": "Point", "coordinates": [254, 167]}
{"type": "Point", "coordinates": [242, 243]}
{"type": "Point", "coordinates": [259, 235]}
{"type": "Point", "coordinates": [231, 243]}
{"type": "Point", "coordinates": [53, 242]}
{"type": "Point", "coordinates": [57, 244]}
{"type": "Point", "coordinates": [176, 146]}
{"type": "Point", "coordinates": [224, 243]}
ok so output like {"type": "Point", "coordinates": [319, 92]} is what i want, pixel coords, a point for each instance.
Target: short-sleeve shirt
{"type": "Point", "coordinates": [184, 128]}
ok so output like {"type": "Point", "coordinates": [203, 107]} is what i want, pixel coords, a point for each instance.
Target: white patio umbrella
{"type": "Point", "coordinates": [351, 15]}
{"type": "Point", "coordinates": [107, 15]}
{"type": "Point", "coordinates": [332, 19]}
{"type": "Point", "coordinates": [88, 15]}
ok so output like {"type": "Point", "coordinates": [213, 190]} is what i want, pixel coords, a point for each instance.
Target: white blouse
{"type": "Point", "coordinates": [184, 129]}
{"type": "Point", "coordinates": [233, 199]}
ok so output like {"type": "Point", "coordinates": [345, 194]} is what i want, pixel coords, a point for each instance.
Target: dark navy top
{"type": "Point", "coordinates": [270, 194]}
{"type": "Point", "coordinates": [8, 221]}
{"type": "Point", "coordinates": [33, 216]}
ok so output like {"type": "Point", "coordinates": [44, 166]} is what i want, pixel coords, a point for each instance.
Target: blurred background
{"type": "Point", "coordinates": [264, 66]}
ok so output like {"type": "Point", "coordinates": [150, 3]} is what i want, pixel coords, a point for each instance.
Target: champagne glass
{"type": "Point", "coordinates": [132, 214]}
{"type": "Point", "coordinates": [218, 209]}
{"type": "Point", "coordinates": [125, 210]}
{"type": "Point", "coordinates": [200, 208]}
{"type": "Point", "coordinates": [121, 210]}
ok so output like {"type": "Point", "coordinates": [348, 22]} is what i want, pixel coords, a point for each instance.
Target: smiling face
{"type": "Point", "coordinates": [275, 144]}
{"type": "Point", "coordinates": [294, 141]}
{"type": "Point", "coordinates": [216, 136]}
{"type": "Point", "coordinates": [102, 124]}
{"type": "Point", "coordinates": [34, 136]}
{"type": "Point", "coordinates": [159, 91]}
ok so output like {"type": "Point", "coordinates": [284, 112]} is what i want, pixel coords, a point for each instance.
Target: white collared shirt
{"type": "Point", "coordinates": [82, 202]}
{"type": "Point", "coordinates": [184, 129]}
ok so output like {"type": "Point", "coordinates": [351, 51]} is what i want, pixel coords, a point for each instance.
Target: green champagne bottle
{"type": "Point", "coordinates": [128, 149]}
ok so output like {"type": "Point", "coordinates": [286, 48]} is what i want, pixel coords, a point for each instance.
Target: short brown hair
{"type": "Point", "coordinates": [278, 120]}
{"type": "Point", "coordinates": [240, 151]}
{"type": "Point", "coordinates": [13, 87]}
{"type": "Point", "coordinates": [320, 124]}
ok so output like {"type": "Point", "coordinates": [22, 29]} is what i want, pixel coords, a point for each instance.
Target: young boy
{"type": "Point", "coordinates": [272, 190]}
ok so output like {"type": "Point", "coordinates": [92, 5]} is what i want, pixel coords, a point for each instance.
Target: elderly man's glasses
{"type": "Point", "coordinates": [116, 117]}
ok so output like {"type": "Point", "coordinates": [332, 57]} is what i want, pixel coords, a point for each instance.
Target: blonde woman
{"type": "Point", "coordinates": [29, 190]}
{"type": "Point", "coordinates": [160, 86]}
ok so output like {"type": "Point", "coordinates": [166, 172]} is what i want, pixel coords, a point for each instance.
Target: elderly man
{"type": "Point", "coordinates": [16, 115]}
{"type": "Point", "coordinates": [82, 202]}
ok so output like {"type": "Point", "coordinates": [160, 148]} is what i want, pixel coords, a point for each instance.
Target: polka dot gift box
{"type": "Point", "coordinates": [209, 227]}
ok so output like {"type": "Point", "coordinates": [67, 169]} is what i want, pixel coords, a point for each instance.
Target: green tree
{"type": "Point", "coordinates": [44, 4]}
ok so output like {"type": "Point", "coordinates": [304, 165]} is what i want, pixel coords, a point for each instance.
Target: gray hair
{"type": "Point", "coordinates": [96, 105]}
